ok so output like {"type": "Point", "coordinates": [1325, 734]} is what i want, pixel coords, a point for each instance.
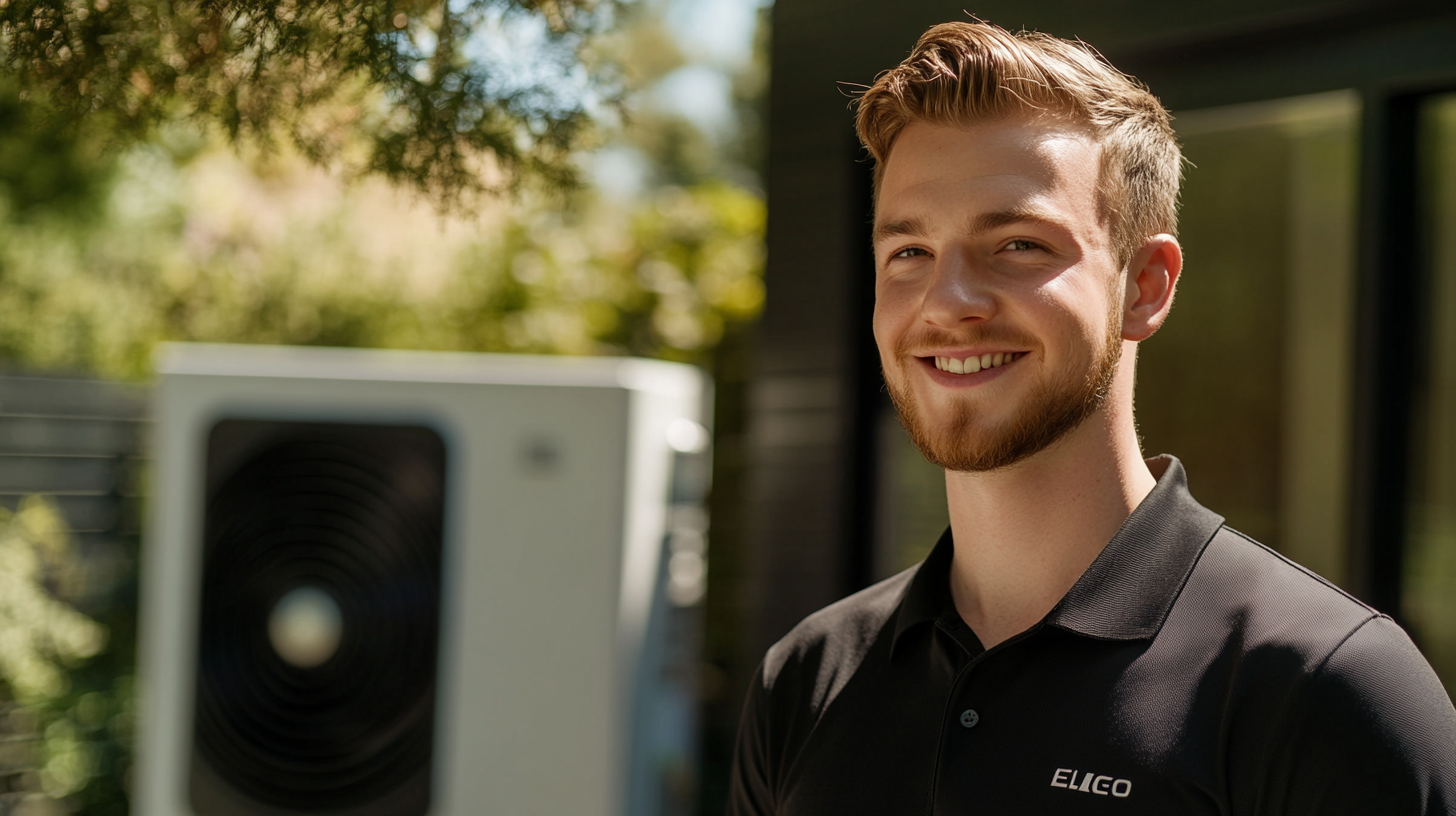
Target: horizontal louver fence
{"type": "Point", "coordinates": [80, 443]}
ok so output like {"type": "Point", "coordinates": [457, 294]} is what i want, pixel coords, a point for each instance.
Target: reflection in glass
{"type": "Point", "coordinates": [1429, 593]}
{"type": "Point", "coordinates": [1249, 381]}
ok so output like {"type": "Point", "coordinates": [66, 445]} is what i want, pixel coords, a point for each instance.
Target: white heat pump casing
{"type": "Point", "coordinates": [550, 568]}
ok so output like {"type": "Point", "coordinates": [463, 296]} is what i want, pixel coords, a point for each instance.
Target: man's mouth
{"type": "Point", "coordinates": [972, 365]}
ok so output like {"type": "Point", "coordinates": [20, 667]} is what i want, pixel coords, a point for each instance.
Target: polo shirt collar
{"type": "Point", "coordinates": [928, 596]}
{"type": "Point", "coordinates": [1127, 591]}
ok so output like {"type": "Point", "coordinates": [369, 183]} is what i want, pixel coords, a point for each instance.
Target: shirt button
{"type": "Point", "coordinates": [969, 718]}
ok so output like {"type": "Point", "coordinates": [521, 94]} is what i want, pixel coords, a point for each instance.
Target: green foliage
{"type": "Point", "coordinates": [46, 168]}
{"type": "Point", "coordinates": [64, 723]}
{"type": "Point", "coordinates": [419, 91]}
{"type": "Point", "coordinates": [661, 281]}
{"type": "Point", "coordinates": [658, 277]}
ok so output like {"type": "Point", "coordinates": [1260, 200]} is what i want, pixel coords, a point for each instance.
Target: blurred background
{"type": "Point", "coordinates": [679, 179]}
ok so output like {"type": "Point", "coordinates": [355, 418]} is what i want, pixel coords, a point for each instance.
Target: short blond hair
{"type": "Point", "coordinates": [964, 73]}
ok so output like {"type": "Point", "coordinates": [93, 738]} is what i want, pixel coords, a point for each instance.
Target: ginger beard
{"type": "Point", "coordinates": [1055, 407]}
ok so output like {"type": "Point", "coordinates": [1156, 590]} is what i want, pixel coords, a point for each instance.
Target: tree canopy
{"type": "Point", "coordinates": [452, 98]}
{"type": "Point", "coordinates": [177, 237]}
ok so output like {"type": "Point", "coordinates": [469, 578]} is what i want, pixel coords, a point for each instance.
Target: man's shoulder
{"type": "Point", "coordinates": [1265, 591]}
{"type": "Point", "coordinates": [1309, 584]}
{"type": "Point", "coordinates": [1295, 629]}
{"type": "Point", "coordinates": [838, 636]}
{"type": "Point", "coordinates": [1345, 710]}
{"type": "Point", "coordinates": [1267, 601]}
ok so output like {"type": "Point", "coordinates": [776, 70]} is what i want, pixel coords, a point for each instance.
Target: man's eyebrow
{"type": "Point", "coordinates": [980, 225]}
{"type": "Point", "coordinates": [986, 222]}
{"type": "Point", "coordinates": [904, 226]}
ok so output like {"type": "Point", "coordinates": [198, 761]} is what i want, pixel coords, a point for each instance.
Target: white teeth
{"type": "Point", "coordinates": [972, 365]}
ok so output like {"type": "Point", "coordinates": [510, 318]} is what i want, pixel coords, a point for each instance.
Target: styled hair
{"type": "Point", "coordinates": [961, 74]}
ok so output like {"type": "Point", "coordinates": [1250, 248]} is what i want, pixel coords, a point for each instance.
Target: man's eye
{"type": "Point", "coordinates": [1022, 245]}
{"type": "Point", "coordinates": [909, 252]}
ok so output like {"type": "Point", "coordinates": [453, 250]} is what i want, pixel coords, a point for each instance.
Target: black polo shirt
{"type": "Point", "coordinates": [1190, 670]}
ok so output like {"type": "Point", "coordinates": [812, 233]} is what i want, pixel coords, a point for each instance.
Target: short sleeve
{"type": "Point", "coordinates": [750, 791]}
{"type": "Point", "coordinates": [1372, 732]}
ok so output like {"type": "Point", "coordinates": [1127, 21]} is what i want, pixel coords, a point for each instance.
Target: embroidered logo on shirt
{"type": "Point", "coordinates": [1087, 782]}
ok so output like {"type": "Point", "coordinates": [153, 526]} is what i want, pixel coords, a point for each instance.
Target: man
{"type": "Point", "coordinates": [1086, 638]}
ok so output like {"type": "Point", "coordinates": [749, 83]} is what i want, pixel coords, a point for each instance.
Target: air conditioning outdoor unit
{"type": "Point", "coordinates": [411, 583]}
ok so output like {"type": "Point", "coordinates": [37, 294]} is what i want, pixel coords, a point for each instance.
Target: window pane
{"type": "Point", "coordinates": [1249, 381]}
{"type": "Point", "coordinates": [1429, 597]}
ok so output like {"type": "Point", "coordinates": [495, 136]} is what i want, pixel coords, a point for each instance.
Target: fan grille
{"type": "Point", "coordinates": [356, 512]}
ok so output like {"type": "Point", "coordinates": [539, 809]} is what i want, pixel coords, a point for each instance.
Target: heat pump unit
{"type": "Point", "coordinates": [404, 583]}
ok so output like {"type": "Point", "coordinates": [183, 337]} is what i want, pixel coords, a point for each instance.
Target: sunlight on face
{"type": "Point", "coordinates": [989, 245]}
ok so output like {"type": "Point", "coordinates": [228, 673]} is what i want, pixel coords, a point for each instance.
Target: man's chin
{"type": "Point", "coordinates": [959, 425]}
{"type": "Point", "coordinates": [972, 439]}
{"type": "Point", "coordinates": [974, 450]}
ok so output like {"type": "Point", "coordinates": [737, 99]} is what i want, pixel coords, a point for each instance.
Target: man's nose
{"type": "Point", "coordinates": [958, 292]}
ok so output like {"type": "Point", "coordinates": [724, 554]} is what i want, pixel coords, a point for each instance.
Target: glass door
{"type": "Point", "coordinates": [1428, 602]}
{"type": "Point", "coordinates": [1249, 381]}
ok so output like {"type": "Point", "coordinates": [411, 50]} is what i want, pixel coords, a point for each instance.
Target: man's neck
{"type": "Point", "coordinates": [1025, 534]}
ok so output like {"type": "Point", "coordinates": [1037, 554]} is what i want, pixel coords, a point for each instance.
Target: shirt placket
{"type": "Point", "coordinates": [967, 708]}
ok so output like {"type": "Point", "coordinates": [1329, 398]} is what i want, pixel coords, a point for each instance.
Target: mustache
{"type": "Point", "coordinates": [933, 338]}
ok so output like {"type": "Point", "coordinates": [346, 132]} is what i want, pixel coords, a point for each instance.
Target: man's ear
{"type": "Point", "coordinates": [1151, 279]}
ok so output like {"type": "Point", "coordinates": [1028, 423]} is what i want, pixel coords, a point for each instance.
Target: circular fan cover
{"type": "Point", "coordinates": [352, 514]}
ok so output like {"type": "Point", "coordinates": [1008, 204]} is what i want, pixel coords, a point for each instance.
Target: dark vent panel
{"type": "Point", "coordinates": [320, 616]}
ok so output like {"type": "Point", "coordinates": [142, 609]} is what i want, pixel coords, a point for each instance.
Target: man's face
{"type": "Point", "coordinates": [989, 248]}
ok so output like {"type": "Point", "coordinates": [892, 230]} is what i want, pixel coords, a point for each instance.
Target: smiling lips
{"type": "Point", "coordinates": [972, 365]}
